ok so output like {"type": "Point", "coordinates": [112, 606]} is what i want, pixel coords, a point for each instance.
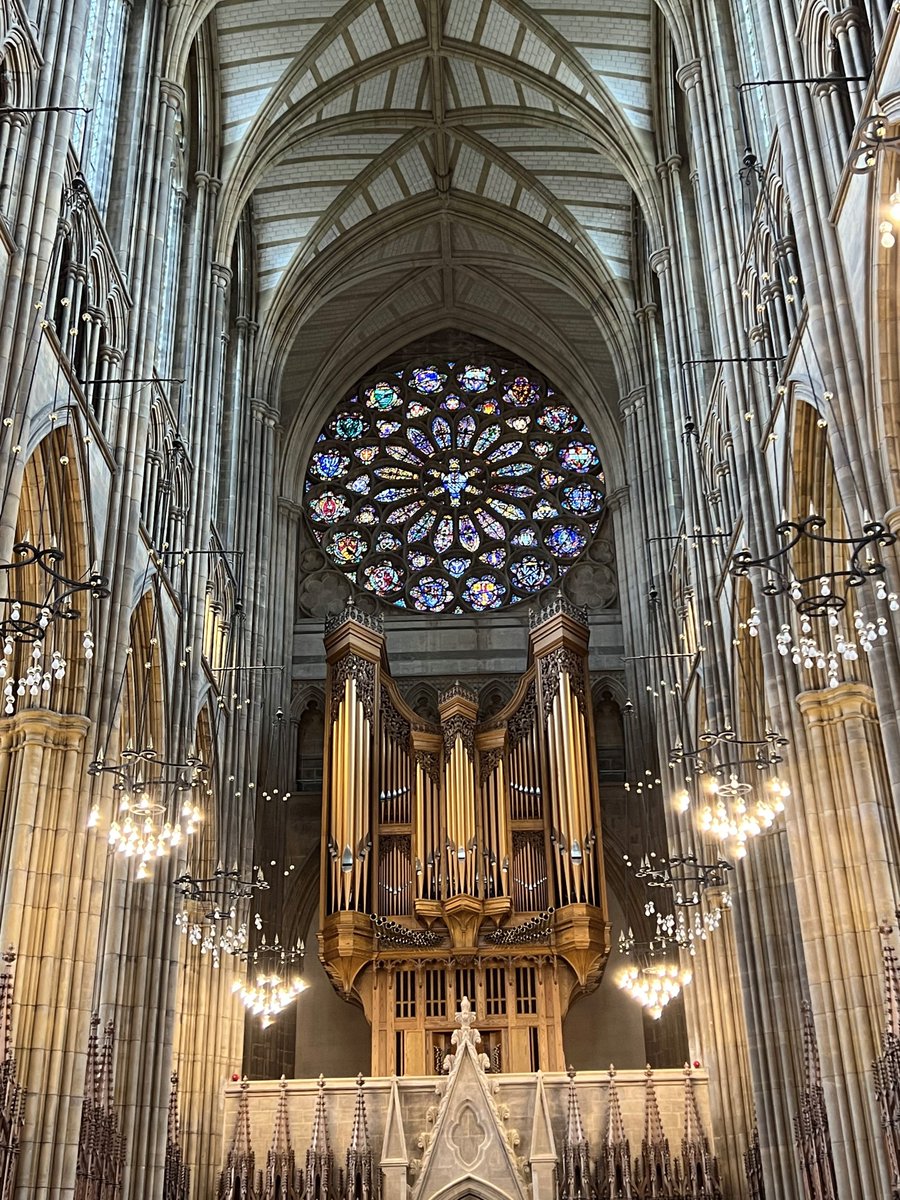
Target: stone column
{"type": "Point", "coordinates": [50, 912]}
{"type": "Point", "coordinates": [844, 861]}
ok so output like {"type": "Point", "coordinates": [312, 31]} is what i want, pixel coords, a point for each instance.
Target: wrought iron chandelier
{"type": "Point", "coordinates": [733, 782]}
{"type": "Point", "coordinates": [822, 629]}
{"type": "Point", "coordinates": [157, 807]}
{"type": "Point", "coordinates": [25, 621]}
{"type": "Point", "coordinates": [274, 978]}
{"type": "Point", "coordinates": [214, 915]}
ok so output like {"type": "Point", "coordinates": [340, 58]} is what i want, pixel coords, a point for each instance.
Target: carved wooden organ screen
{"type": "Point", "coordinates": [463, 858]}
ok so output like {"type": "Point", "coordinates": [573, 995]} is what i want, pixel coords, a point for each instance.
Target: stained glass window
{"type": "Point", "coordinates": [454, 485]}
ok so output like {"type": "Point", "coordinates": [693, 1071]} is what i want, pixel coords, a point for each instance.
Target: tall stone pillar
{"type": "Point", "coordinates": [844, 859]}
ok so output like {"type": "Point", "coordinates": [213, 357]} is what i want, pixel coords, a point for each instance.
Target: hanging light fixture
{"type": "Point", "coordinates": [157, 804]}
{"type": "Point", "coordinates": [652, 983]}
{"type": "Point", "coordinates": [273, 978]}
{"type": "Point", "coordinates": [214, 914]}
{"type": "Point", "coordinates": [732, 783]}
{"type": "Point", "coordinates": [25, 622]}
{"type": "Point", "coordinates": [823, 629]}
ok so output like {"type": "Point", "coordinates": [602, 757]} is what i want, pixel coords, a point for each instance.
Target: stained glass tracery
{"type": "Point", "coordinates": [454, 486]}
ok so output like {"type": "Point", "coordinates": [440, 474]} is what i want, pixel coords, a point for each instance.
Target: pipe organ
{"type": "Point", "coordinates": [462, 858]}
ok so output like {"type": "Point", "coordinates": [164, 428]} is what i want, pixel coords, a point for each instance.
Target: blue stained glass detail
{"type": "Point", "coordinates": [525, 537]}
{"type": "Point", "coordinates": [507, 450]}
{"type": "Point", "coordinates": [476, 379]}
{"type": "Point", "coordinates": [530, 573]}
{"type": "Point", "coordinates": [329, 464]}
{"type": "Point", "coordinates": [483, 593]}
{"type": "Point", "coordinates": [455, 480]}
{"type": "Point", "coordinates": [582, 499]}
{"type": "Point", "coordinates": [421, 527]}
{"type": "Point", "coordinates": [383, 397]}
{"type": "Point", "coordinates": [558, 418]}
{"type": "Point", "coordinates": [420, 441]}
{"type": "Point", "coordinates": [430, 593]}
{"type": "Point", "coordinates": [486, 438]}
{"type": "Point", "coordinates": [350, 426]}
{"type": "Point", "coordinates": [391, 495]}
{"type": "Point", "coordinates": [382, 578]}
{"type": "Point", "coordinates": [403, 455]}
{"type": "Point", "coordinates": [465, 431]}
{"type": "Point", "coordinates": [490, 525]}
{"type": "Point", "coordinates": [400, 515]}
{"type": "Point", "coordinates": [579, 456]}
{"type": "Point", "coordinates": [442, 436]}
{"type": "Point", "coordinates": [512, 512]}
{"type": "Point", "coordinates": [443, 535]}
{"type": "Point", "coordinates": [468, 534]}
{"type": "Point", "coordinates": [427, 380]}
{"type": "Point", "coordinates": [565, 541]}
{"type": "Point", "coordinates": [457, 566]}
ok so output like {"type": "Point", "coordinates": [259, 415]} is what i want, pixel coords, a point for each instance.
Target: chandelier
{"type": "Point", "coordinates": [24, 621]}
{"type": "Point", "coordinates": [653, 984]}
{"type": "Point", "coordinates": [823, 630]}
{"type": "Point", "coordinates": [212, 915]}
{"type": "Point", "coordinates": [274, 978]}
{"type": "Point", "coordinates": [731, 808]}
{"type": "Point", "coordinates": [157, 806]}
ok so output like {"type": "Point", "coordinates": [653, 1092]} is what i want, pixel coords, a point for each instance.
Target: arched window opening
{"type": "Point", "coordinates": [454, 485]}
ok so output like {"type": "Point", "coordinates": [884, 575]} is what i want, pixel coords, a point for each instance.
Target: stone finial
{"type": "Point", "coordinates": [654, 1166]}
{"type": "Point", "coordinates": [12, 1094]}
{"type": "Point", "coordinates": [361, 1179]}
{"type": "Point", "coordinates": [699, 1166]}
{"type": "Point", "coordinates": [615, 1164]}
{"type": "Point", "coordinates": [317, 1178]}
{"type": "Point", "coordinates": [176, 1173]}
{"type": "Point", "coordinates": [576, 1180]}
{"type": "Point", "coordinates": [280, 1180]}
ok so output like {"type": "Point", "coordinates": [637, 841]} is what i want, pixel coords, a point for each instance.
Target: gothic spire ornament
{"type": "Point", "coordinates": [177, 1175]}
{"type": "Point", "coordinates": [887, 1065]}
{"type": "Point", "coordinates": [12, 1094]}
{"type": "Point", "coordinates": [653, 1170]}
{"type": "Point", "coordinates": [576, 1182]}
{"type": "Point", "coordinates": [239, 1177]}
{"type": "Point", "coordinates": [317, 1178]}
{"type": "Point", "coordinates": [753, 1171]}
{"type": "Point", "coordinates": [699, 1167]}
{"type": "Point", "coordinates": [615, 1161]}
{"type": "Point", "coordinates": [361, 1176]}
{"type": "Point", "coordinates": [280, 1181]}
{"type": "Point", "coordinates": [811, 1122]}
{"type": "Point", "coordinates": [100, 1166]}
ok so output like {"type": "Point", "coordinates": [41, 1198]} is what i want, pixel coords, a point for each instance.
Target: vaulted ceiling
{"type": "Point", "coordinates": [416, 164]}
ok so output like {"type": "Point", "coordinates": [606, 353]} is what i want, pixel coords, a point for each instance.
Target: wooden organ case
{"type": "Point", "coordinates": [464, 858]}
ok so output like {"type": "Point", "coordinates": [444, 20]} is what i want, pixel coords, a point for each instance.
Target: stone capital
{"type": "Point", "coordinates": [263, 412]}
{"type": "Point", "coordinates": [828, 706]}
{"type": "Point", "coordinates": [172, 94]}
{"type": "Point", "coordinates": [618, 499]}
{"type": "Point", "coordinates": [659, 260]}
{"type": "Point", "coordinates": [689, 74]}
{"type": "Point", "coordinates": [221, 275]}
{"type": "Point", "coordinates": [628, 405]}
{"type": "Point", "coordinates": [41, 727]}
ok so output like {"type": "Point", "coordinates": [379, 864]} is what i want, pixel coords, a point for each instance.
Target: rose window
{"type": "Point", "coordinates": [454, 486]}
